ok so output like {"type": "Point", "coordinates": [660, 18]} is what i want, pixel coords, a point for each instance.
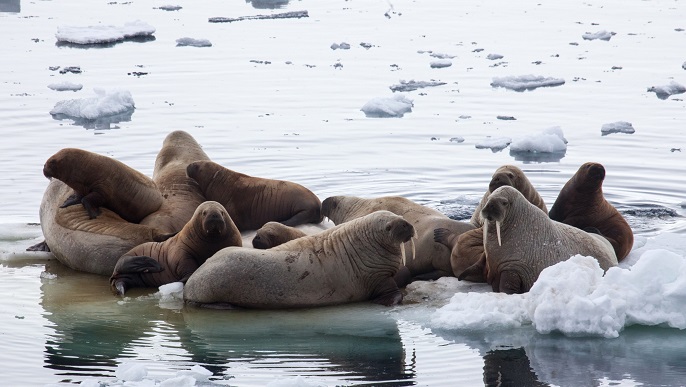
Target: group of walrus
{"type": "Point", "coordinates": [184, 224]}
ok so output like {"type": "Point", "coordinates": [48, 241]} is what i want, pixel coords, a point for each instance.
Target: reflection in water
{"type": "Point", "coordinates": [98, 123]}
{"type": "Point", "coordinates": [94, 332]}
{"type": "Point", "coordinates": [135, 39]}
{"type": "Point", "coordinates": [10, 6]}
{"type": "Point", "coordinates": [509, 367]}
{"type": "Point", "coordinates": [267, 4]}
{"type": "Point", "coordinates": [538, 157]}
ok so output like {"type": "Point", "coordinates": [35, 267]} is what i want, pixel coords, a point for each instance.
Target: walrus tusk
{"type": "Point", "coordinates": [412, 242]}
{"type": "Point", "coordinates": [497, 230]}
{"type": "Point", "coordinates": [485, 230]}
{"type": "Point", "coordinates": [402, 251]}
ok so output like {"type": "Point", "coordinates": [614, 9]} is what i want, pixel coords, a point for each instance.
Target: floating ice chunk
{"type": "Point", "coordinates": [494, 56]}
{"type": "Point", "coordinates": [193, 42]}
{"type": "Point", "coordinates": [105, 103]}
{"type": "Point", "coordinates": [412, 85]}
{"type": "Point", "coordinates": [600, 35]}
{"type": "Point", "coordinates": [342, 46]}
{"type": "Point", "coordinates": [663, 92]}
{"type": "Point", "coordinates": [47, 276]}
{"type": "Point", "coordinates": [550, 140]}
{"type": "Point", "coordinates": [100, 34]}
{"type": "Point", "coordinates": [284, 15]}
{"type": "Point", "coordinates": [479, 311]}
{"type": "Point", "coordinates": [172, 290]}
{"type": "Point", "coordinates": [438, 64]}
{"type": "Point", "coordinates": [496, 144]}
{"type": "Point", "coordinates": [440, 55]}
{"type": "Point", "coordinates": [526, 82]}
{"type": "Point", "coordinates": [179, 381]}
{"type": "Point", "coordinates": [457, 139]}
{"type": "Point", "coordinates": [131, 372]}
{"type": "Point", "coordinates": [65, 86]}
{"type": "Point", "coordinates": [683, 65]}
{"type": "Point", "coordinates": [617, 127]}
{"type": "Point", "coordinates": [382, 107]}
{"type": "Point", "coordinates": [170, 7]}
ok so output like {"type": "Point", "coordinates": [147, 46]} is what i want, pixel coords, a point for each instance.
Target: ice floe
{"type": "Point", "coordinates": [340, 46]}
{"type": "Point", "coordinates": [100, 34]}
{"type": "Point", "coordinates": [496, 144]}
{"type": "Point", "coordinates": [412, 85]}
{"type": "Point", "coordinates": [494, 56]}
{"type": "Point", "coordinates": [283, 15]}
{"type": "Point", "coordinates": [600, 35]}
{"type": "Point", "coordinates": [383, 107]}
{"type": "Point", "coordinates": [526, 82]}
{"type": "Point", "coordinates": [170, 7]}
{"type": "Point", "coordinates": [193, 42]}
{"type": "Point", "coordinates": [105, 103]}
{"type": "Point", "coordinates": [65, 86]}
{"type": "Point", "coordinates": [550, 140]}
{"type": "Point", "coordinates": [439, 64]}
{"type": "Point", "coordinates": [575, 298]}
{"type": "Point", "coordinates": [664, 91]}
{"type": "Point", "coordinates": [617, 127]}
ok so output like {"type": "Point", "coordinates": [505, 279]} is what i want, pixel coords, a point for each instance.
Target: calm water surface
{"type": "Point", "coordinates": [271, 98]}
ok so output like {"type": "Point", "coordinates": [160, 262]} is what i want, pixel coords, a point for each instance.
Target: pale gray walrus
{"type": "Point", "coordinates": [430, 260]}
{"type": "Point", "coordinates": [253, 201]}
{"type": "Point", "coordinates": [274, 234]}
{"type": "Point", "coordinates": [181, 194]}
{"type": "Point", "coordinates": [101, 181]}
{"type": "Point", "coordinates": [520, 241]}
{"type": "Point", "coordinates": [581, 204]}
{"type": "Point", "coordinates": [82, 243]}
{"type": "Point", "coordinates": [154, 264]}
{"type": "Point", "coordinates": [467, 248]}
{"type": "Point", "coordinates": [352, 262]}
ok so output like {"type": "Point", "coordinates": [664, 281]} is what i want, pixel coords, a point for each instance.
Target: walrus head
{"type": "Point", "coordinates": [505, 175]}
{"type": "Point", "coordinates": [495, 209]}
{"type": "Point", "coordinates": [340, 209]}
{"type": "Point", "coordinates": [592, 176]}
{"type": "Point", "coordinates": [214, 219]}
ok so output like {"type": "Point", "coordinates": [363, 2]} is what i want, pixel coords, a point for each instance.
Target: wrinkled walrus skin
{"type": "Point", "coordinates": [154, 264]}
{"type": "Point", "coordinates": [181, 194]}
{"type": "Point", "coordinates": [520, 241]}
{"type": "Point", "coordinates": [254, 201]}
{"type": "Point", "coordinates": [101, 181]}
{"type": "Point", "coordinates": [467, 248]}
{"type": "Point", "coordinates": [82, 243]}
{"type": "Point", "coordinates": [581, 204]}
{"type": "Point", "coordinates": [274, 234]}
{"type": "Point", "coordinates": [431, 260]}
{"type": "Point", "coordinates": [352, 262]}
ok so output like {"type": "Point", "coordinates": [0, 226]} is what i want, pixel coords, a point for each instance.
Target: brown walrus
{"type": "Point", "coordinates": [101, 181]}
{"type": "Point", "coordinates": [467, 248]}
{"type": "Point", "coordinates": [581, 204]}
{"type": "Point", "coordinates": [181, 194]}
{"type": "Point", "coordinates": [274, 234]}
{"type": "Point", "coordinates": [253, 201]}
{"type": "Point", "coordinates": [154, 264]}
{"type": "Point", "coordinates": [351, 262]}
{"type": "Point", "coordinates": [520, 241]}
{"type": "Point", "coordinates": [430, 260]}
{"type": "Point", "coordinates": [85, 244]}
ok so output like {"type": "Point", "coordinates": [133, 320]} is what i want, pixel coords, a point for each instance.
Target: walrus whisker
{"type": "Point", "coordinates": [497, 230]}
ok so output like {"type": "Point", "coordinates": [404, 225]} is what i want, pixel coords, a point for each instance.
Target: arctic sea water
{"type": "Point", "coordinates": [367, 99]}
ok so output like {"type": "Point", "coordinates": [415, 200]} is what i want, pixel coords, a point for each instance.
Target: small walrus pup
{"type": "Point", "coordinates": [153, 264]}
{"type": "Point", "coordinates": [254, 201]}
{"type": "Point", "coordinates": [103, 181]}
{"type": "Point", "coordinates": [274, 234]}
{"type": "Point", "coordinates": [581, 204]}
{"type": "Point", "coordinates": [520, 241]}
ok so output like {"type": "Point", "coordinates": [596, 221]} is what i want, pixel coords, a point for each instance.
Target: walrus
{"type": "Point", "coordinates": [181, 194]}
{"type": "Point", "coordinates": [520, 241]}
{"type": "Point", "coordinates": [101, 181]}
{"type": "Point", "coordinates": [274, 234]}
{"type": "Point", "coordinates": [467, 248]}
{"type": "Point", "coordinates": [351, 262]}
{"type": "Point", "coordinates": [430, 260]}
{"type": "Point", "coordinates": [154, 264]}
{"type": "Point", "coordinates": [83, 243]}
{"type": "Point", "coordinates": [253, 201]}
{"type": "Point", "coordinates": [581, 204]}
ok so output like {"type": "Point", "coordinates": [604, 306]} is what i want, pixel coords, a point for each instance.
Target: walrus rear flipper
{"type": "Point", "coordinates": [475, 271]}
{"type": "Point", "coordinates": [42, 246]}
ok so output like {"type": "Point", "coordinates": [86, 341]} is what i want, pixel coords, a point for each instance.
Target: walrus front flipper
{"type": "Point", "coordinates": [308, 215]}
{"type": "Point", "coordinates": [388, 294]}
{"type": "Point", "coordinates": [476, 270]}
{"type": "Point", "coordinates": [403, 277]}
{"type": "Point", "coordinates": [92, 203]}
{"type": "Point", "coordinates": [510, 283]}
{"type": "Point", "coordinates": [432, 275]}
{"type": "Point", "coordinates": [73, 199]}
{"type": "Point", "coordinates": [163, 237]}
{"type": "Point", "coordinates": [137, 264]}
{"type": "Point", "coordinates": [42, 246]}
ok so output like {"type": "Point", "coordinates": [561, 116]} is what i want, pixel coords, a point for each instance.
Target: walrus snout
{"type": "Point", "coordinates": [214, 223]}
{"type": "Point", "coordinates": [260, 243]}
{"type": "Point", "coordinates": [48, 168]}
{"type": "Point", "coordinates": [595, 171]}
{"type": "Point", "coordinates": [192, 170]}
{"type": "Point", "coordinates": [328, 206]}
{"type": "Point", "coordinates": [401, 229]}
